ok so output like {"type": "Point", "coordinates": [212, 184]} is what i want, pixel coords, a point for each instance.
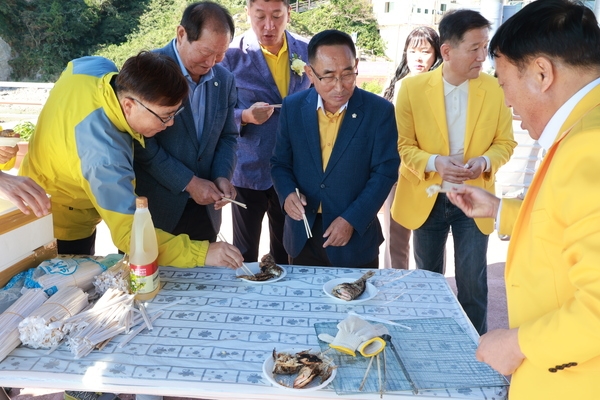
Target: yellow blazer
{"type": "Point", "coordinates": [553, 265]}
{"type": "Point", "coordinates": [423, 131]}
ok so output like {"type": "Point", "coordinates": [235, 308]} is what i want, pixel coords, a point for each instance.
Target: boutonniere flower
{"type": "Point", "coordinates": [297, 65]}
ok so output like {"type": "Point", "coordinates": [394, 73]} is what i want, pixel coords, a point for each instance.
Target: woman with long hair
{"type": "Point", "coordinates": [421, 54]}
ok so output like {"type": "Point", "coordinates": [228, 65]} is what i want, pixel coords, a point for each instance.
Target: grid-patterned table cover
{"type": "Point", "coordinates": [213, 344]}
{"type": "Point", "coordinates": [435, 353]}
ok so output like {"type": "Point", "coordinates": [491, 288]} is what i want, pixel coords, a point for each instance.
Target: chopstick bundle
{"type": "Point", "coordinates": [108, 318]}
{"type": "Point", "coordinates": [116, 277]}
{"type": "Point", "coordinates": [43, 327]}
{"type": "Point", "coordinates": [18, 311]}
{"type": "Point", "coordinates": [72, 271]}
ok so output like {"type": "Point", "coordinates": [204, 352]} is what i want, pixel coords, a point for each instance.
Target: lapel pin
{"type": "Point", "coordinates": [353, 115]}
{"type": "Point", "coordinates": [216, 83]}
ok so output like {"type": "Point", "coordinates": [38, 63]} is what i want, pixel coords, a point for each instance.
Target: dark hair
{"type": "Point", "coordinates": [456, 23]}
{"type": "Point", "coordinates": [285, 2]}
{"type": "Point", "coordinates": [153, 77]}
{"type": "Point", "coordinates": [567, 30]}
{"type": "Point", "coordinates": [330, 37]}
{"type": "Point", "coordinates": [206, 14]}
{"type": "Point", "coordinates": [414, 38]}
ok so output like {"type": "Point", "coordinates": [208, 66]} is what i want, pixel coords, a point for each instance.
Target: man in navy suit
{"type": "Point", "coordinates": [336, 144]}
{"type": "Point", "coordinates": [268, 64]}
{"type": "Point", "coordinates": [186, 172]}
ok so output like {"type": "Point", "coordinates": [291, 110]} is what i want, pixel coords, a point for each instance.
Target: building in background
{"type": "Point", "coordinates": [397, 18]}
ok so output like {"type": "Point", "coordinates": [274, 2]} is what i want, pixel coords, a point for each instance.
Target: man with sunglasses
{"type": "Point", "coordinates": [186, 172]}
{"type": "Point", "coordinates": [335, 161]}
{"type": "Point", "coordinates": [82, 153]}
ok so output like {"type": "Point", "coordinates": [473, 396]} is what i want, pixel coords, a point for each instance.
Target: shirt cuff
{"type": "Point", "coordinates": [497, 222]}
{"type": "Point", "coordinates": [431, 164]}
{"type": "Point", "coordinates": [488, 164]}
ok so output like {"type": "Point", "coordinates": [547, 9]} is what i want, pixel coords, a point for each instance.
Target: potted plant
{"type": "Point", "coordinates": [25, 129]}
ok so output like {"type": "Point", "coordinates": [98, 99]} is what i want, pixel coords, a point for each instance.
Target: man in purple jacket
{"type": "Point", "coordinates": [268, 65]}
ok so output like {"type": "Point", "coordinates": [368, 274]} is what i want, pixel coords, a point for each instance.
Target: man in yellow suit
{"type": "Point", "coordinates": [454, 128]}
{"type": "Point", "coordinates": [548, 63]}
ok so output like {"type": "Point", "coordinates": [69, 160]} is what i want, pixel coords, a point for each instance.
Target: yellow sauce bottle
{"type": "Point", "coordinates": [143, 253]}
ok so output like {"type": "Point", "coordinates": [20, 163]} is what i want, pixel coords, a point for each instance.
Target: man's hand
{"type": "Point", "coordinates": [500, 350]}
{"type": "Point", "coordinates": [294, 206]}
{"type": "Point", "coordinates": [221, 254]}
{"type": "Point", "coordinates": [338, 233]}
{"type": "Point", "coordinates": [228, 190]}
{"type": "Point", "coordinates": [451, 169]}
{"type": "Point", "coordinates": [257, 114]}
{"type": "Point", "coordinates": [475, 167]}
{"type": "Point", "coordinates": [203, 191]}
{"type": "Point", "coordinates": [7, 153]}
{"type": "Point", "coordinates": [23, 192]}
{"type": "Point", "coordinates": [474, 202]}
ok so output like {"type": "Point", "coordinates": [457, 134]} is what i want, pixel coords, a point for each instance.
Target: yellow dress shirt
{"type": "Point", "coordinates": [329, 126]}
{"type": "Point", "coordinates": [279, 65]}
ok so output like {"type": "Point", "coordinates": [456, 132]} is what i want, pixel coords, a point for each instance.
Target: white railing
{"type": "Point", "coordinates": [10, 100]}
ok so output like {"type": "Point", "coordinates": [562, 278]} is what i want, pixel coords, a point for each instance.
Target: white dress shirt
{"type": "Point", "coordinates": [552, 129]}
{"type": "Point", "coordinates": [456, 99]}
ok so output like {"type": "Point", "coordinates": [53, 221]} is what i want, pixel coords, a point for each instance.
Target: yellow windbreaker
{"type": "Point", "coordinates": [82, 154]}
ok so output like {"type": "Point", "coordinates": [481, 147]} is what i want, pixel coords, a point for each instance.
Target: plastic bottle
{"type": "Point", "coordinates": [143, 253]}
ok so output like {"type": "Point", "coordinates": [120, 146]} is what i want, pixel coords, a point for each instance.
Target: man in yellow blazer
{"type": "Point", "coordinates": [548, 62]}
{"type": "Point", "coordinates": [453, 128]}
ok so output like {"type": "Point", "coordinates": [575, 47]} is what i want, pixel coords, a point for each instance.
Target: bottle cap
{"type": "Point", "coordinates": [141, 202]}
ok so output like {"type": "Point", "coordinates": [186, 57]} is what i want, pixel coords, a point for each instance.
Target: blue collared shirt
{"type": "Point", "coordinates": [197, 93]}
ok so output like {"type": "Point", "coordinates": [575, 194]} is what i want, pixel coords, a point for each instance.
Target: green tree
{"type": "Point", "coordinates": [156, 26]}
{"type": "Point", "coordinates": [46, 34]}
{"type": "Point", "coordinates": [345, 15]}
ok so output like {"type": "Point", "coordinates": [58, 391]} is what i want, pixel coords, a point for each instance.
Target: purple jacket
{"type": "Point", "coordinates": [255, 83]}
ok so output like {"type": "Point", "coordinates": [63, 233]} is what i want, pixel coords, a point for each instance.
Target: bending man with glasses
{"type": "Point", "coordinates": [82, 153]}
{"type": "Point", "coordinates": [336, 145]}
{"type": "Point", "coordinates": [186, 173]}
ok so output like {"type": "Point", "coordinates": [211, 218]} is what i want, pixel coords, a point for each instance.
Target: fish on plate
{"type": "Point", "coordinates": [351, 290]}
{"type": "Point", "coordinates": [308, 366]}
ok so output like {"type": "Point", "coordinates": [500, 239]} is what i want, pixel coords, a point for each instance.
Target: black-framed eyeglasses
{"type": "Point", "coordinates": [164, 121]}
{"type": "Point", "coordinates": [346, 79]}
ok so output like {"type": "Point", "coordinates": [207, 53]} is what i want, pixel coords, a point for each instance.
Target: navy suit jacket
{"type": "Point", "coordinates": [255, 83]}
{"type": "Point", "coordinates": [171, 158]}
{"type": "Point", "coordinates": [360, 173]}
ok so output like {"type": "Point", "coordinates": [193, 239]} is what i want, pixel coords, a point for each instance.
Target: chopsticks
{"type": "Point", "coordinates": [306, 224]}
{"type": "Point", "coordinates": [234, 202]}
{"type": "Point", "coordinates": [244, 266]}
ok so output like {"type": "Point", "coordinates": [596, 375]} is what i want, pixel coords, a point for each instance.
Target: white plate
{"type": "Point", "coordinates": [9, 141]}
{"type": "Point", "coordinates": [255, 268]}
{"type": "Point", "coordinates": [289, 379]}
{"type": "Point", "coordinates": [370, 291]}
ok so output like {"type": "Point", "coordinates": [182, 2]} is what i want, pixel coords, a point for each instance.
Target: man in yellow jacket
{"type": "Point", "coordinates": [548, 63]}
{"type": "Point", "coordinates": [81, 153]}
{"type": "Point", "coordinates": [453, 128]}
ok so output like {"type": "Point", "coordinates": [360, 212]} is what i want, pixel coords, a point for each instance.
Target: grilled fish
{"type": "Point", "coordinates": [351, 290]}
{"type": "Point", "coordinates": [268, 270]}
